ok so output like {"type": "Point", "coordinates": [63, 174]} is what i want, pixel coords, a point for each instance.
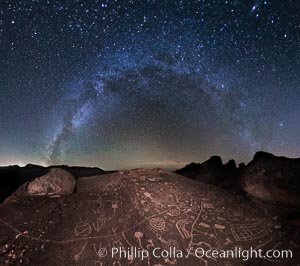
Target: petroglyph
{"type": "Point", "coordinates": [158, 223]}
{"type": "Point", "coordinates": [220, 227]}
{"type": "Point", "coordinates": [180, 225]}
{"type": "Point", "coordinates": [114, 205]}
{"type": "Point", "coordinates": [83, 229]}
{"type": "Point", "coordinates": [174, 212]}
{"type": "Point", "coordinates": [99, 224]}
{"type": "Point", "coordinates": [204, 225]}
{"type": "Point", "coordinates": [246, 232]}
{"type": "Point", "coordinates": [141, 209]}
{"type": "Point", "coordinates": [77, 256]}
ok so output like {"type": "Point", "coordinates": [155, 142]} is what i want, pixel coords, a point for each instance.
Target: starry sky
{"type": "Point", "coordinates": [148, 83]}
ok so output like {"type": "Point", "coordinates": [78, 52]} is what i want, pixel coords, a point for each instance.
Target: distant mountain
{"type": "Point", "coordinates": [213, 171]}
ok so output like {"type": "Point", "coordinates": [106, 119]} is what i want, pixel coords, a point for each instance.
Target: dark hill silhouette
{"type": "Point", "coordinates": [213, 172]}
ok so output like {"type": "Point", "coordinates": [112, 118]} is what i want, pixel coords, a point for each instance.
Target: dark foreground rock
{"type": "Point", "coordinates": [56, 183]}
{"type": "Point", "coordinates": [140, 210]}
{"type": "Point", "coordinates": [273, 179]}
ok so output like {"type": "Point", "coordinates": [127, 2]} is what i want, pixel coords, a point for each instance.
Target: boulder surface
{"type": "Point", "coordinates": [143, 211]}
{"type": "Point", "coordinates": [273, 179]}
{"type": "Point", "coordinates": [56, 182]}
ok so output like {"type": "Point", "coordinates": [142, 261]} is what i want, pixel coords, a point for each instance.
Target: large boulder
{"type": "Point", "coordinates": [56, 182]}
{"type": "Point", "coordinates": [13, 177]}
{"type": "Point", "coordinates": [273, 179]}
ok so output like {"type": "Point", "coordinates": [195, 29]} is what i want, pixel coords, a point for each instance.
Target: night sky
{"type": "Point", "coordinates": [157, 83]}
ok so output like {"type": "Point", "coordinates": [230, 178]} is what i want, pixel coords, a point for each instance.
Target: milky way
{"type": "Point", "coordinates": [122, 84]}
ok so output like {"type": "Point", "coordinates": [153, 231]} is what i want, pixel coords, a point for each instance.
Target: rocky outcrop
{"type": "Point", "coordinates": [56, 182]}
{"type": "Point", "coordinates": [267, 177]}
{"type": "Point", "coordinates": [212, 172]}
{"type": "Point", "coordinates": [273, 179]}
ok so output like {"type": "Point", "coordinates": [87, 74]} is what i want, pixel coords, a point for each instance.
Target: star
{"type": "Point", "coordinates": [120, 82]}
